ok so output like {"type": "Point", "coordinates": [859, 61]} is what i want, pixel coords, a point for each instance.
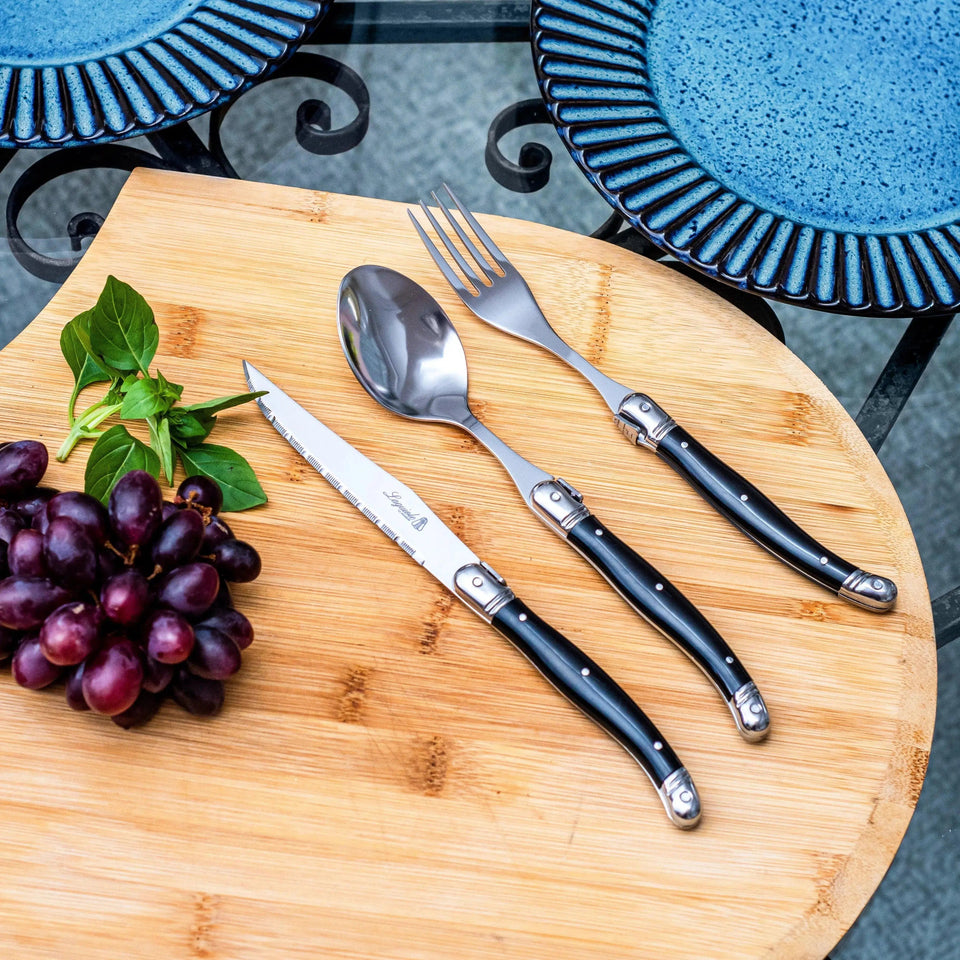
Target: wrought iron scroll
{"type": "Point", "coordinates": [314, 131]}
{"type": "Point", "coordinates": [49, 167]}
{"type": "Point", "coordinates": [532, 171]}
{"type": "Point", "coordinates": [177, 148]}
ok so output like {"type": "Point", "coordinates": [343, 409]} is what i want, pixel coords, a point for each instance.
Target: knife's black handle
{"type": "Point", "coordinates": [591, 689]}
{"type": "Point", "coordinates": [764, 522]}
{"type": "Point", "coordinates": [657, 600]}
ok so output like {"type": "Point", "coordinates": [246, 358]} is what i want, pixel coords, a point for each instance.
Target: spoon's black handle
{"type": "Point", "coordinates": [763, 521]}
{"type": "Point", "coordinates": [659, 602]}
{"type": "Point", "coordinates": [597, 695]}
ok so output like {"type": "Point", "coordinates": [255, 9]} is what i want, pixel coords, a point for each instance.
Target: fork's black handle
{"type": "Point", "coordinates": [658, 601]}
{"type": "Point", "coordinates": [597, 695]}
{"type": "Point", "coordinates": [763, 521]}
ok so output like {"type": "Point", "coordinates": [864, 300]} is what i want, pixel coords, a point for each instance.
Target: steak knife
{"type": "Point", "coordinates": [410, 523]}
{"type": "Point", "coordinates": [502, 298]}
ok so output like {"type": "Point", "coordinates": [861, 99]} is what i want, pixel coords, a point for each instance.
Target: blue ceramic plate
{"type": "Point", "coordinates": [82, 71]}
{"type": "Point", "coordinates": [805, 150]}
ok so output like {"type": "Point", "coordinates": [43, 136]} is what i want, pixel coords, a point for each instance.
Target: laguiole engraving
{"type": "Point", "coordinates": [417, 521]}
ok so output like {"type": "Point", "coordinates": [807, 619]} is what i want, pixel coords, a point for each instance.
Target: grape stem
{"type": "Point", "coordinates": [85, 426]}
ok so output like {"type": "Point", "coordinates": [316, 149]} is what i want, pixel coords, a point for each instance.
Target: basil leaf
{"type": "Point", "coordinates": [222, 403]}
{"type": "Point", "coordinates": [169, 391]}
{"type": "Point", "coordinates": [122, 328]}
{"type": "Point", "coordinates": [147, 397]}
{"type": "Point", "coordinates": [190, 429]}
{"type": "Point", "coordinates": [142, 400]}
{"type": "Point", "coordinates": [114, 454]}
{"type": "Point", "coordinates": [74, 344]}
{"type": "Point", "coordinates": [241, 489]}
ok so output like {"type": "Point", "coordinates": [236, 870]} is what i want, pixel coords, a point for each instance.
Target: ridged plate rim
{"type": "Point", "coordinates": [207, 58]}
{"type": "Point", "coordinates": [736, 240]}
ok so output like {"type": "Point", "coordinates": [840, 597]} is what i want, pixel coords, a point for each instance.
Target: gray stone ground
{"type": "Point", "coordinates": [431, 110]}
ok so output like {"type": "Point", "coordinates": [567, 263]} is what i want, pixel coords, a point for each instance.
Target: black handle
{"type": "Point", "coordinates": [666, 608]}
{"type": "Point", "coordinates": [764, 522]}
{"type": "Point", "coordinates": [591, 689]}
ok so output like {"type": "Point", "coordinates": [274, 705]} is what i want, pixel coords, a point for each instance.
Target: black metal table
{"type": "Point", "coordinates": [387, 99]}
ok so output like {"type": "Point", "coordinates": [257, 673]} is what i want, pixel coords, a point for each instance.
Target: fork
{"type": "Point", "coordinates": [492, 288]}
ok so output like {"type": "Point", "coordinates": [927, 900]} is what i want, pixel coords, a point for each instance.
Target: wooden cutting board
{"type": "Point", "coordinates": [389, 778]}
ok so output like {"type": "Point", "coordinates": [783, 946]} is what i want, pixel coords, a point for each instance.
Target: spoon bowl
{"type": "Point", "coordinates": [401, 346]}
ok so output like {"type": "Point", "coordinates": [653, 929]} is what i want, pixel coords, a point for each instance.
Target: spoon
{"type": "Point", "coordinates": [407, 355]}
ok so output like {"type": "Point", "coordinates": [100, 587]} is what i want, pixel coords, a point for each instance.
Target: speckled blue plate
{"type": "Point", "coordinates": [806, 150]}
{"type": "Point", "coordinates": [83, 71]}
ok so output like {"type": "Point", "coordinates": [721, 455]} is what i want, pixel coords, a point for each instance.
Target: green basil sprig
{"type": "Point", "coordinates": [114, 343]}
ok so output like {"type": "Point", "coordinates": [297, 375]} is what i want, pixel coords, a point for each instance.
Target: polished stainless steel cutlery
{"type": "Point", "coordinates": [407, 355]}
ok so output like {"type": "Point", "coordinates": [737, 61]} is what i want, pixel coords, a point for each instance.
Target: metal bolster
{"type": "Point", "coordinates": [558, 504]}
{"type": "Point", "coordinates": [482, 589]}
{"type": "Point", "coordinates": [641, 421]}
{"type": "Point", "coordinates": [870, 591]}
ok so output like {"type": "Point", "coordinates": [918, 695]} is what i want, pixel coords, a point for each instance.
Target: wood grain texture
{"type": "Point", "coordinates": [389, 779]}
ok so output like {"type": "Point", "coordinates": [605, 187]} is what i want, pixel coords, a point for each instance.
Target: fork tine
{"type": "Point", "coordinates": [495, 252]}
{"type": "Point", "coordinates": [451, 249]}
{"type": "Point", "coordinates": [439, 259]}
{"type": "Point", "coordinates": [481, 261]}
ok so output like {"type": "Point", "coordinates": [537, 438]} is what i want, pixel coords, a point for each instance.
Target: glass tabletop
{"type": "Point", "coordinates": [389, 99]}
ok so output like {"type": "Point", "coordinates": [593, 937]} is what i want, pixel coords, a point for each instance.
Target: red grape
{"type": "Point", "coordinates": [25, 603]}
{"type": "Point", "coordinates": [232, 623]}
{"type": "Point", "coordinates": [143, 709]}
{"type": "Point", "coordinates": [31, 669]}
{"type": "Point", "coordinates": [25, 555]}
{"type": "Point", "coordinates": [135, 508]}
{"type": "Point", "coordinates": [156, 675]}
{"type": "Point", "coordinates": [236, 561]}
{"type": "Point", "coordinates": [215, 656]}
{"type": "Point", "coordinates": [201, 491]}
{"type": "Point", "coordinates": [112, 677]}
{"type": "Point", "coordinates": [124, 597]}
{"type": "Point", "coordinates": [85, 510]}
{"type": "Point", "coordinates": [22, 466]}
{"type": "Point", "coordinates": [191, 589]}
{"type": "Point", "coordinates": [178, 540]}
{"type": "Point", "coordinates": [70, 554]}
{"type": "Point", "coordinates": [71, 633]}
{"type": "Point", "coordinates": [11, 523]}
{"type": "Point", "coordinates": [197, 695]}
{"type": "Point", "coordinates": [31, 502]}
{"type": "Point", "coordinates": [74, 689]}
{"type": "Point", "coordinates": [216, 531]}
{"type": "Point", "coordinates": [168, 636]}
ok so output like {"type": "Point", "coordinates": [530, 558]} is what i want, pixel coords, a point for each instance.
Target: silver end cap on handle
{"type": "Point", "coordinates": [750, 713]}
{"type": "Point", "coordinates": [680, 799]}
{"type": "Point", "coordinates": [870, 591]}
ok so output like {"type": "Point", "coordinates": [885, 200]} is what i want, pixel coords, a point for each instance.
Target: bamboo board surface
{"type": "Point", "coordinates": [389, 778]}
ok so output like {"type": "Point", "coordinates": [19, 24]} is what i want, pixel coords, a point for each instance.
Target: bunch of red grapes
{"type": "Point", "coordinates": [128, 603]}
